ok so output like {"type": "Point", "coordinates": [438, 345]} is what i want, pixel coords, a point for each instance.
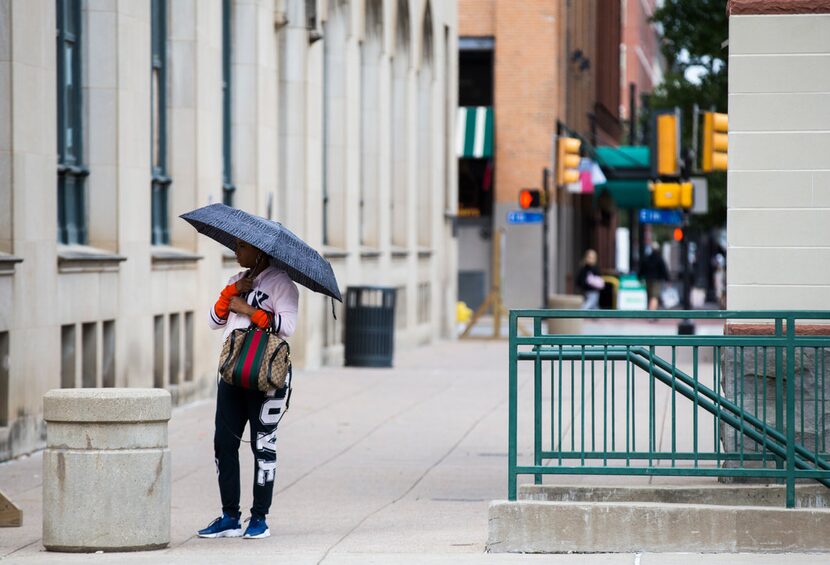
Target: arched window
{"type": "Point", "coordinates": [425, 136]}
{"type": "Point", "coordinates": [400, 130]}
{"type": "Point", "coordinates": [335, 32]}
{"type": "Point", "coordinates": [371, 52]}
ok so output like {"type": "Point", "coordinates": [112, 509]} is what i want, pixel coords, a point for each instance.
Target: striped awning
{"type": "Point", "coordinates": [474, 132]}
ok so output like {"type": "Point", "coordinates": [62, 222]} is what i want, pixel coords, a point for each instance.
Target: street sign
{"type": "Point", "coordinates": [521, 217]}
{"type": "Point", "coordinates": [670, 217]}
{"type": "Point", "coordinates": [701, 195]}
{"type": "Point", "coordinates": [631, 294]}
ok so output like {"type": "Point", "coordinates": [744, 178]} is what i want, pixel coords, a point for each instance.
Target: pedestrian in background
{"type": "Point", "coordinates": [589, 281]}
{"type": "Point", "coordinates": [654, 272]}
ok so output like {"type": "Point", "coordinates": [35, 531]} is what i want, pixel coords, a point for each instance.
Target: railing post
{"type": "Point", "coordinates": [512, 420]}
{"type": "Point", "coordinates": [790, 412]}
{"type": "Point", "coordinates": [779, 388]}
{"type": "Point", "coordinates": [537, 402]}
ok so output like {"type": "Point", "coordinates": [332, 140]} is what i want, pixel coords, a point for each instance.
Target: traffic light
{"type": "Point", "coordinates": [666, 159]}
{"type": "Point", "coordinates": [567, 160]}
{"type": "Point", "coordinates": [530, 198]}
{"type": "Point", "coordinates": [678, 234]}
{"type": "Point", "coordinates": [715, 142]}
{"type": "Point", "coordinates": [673, 194]}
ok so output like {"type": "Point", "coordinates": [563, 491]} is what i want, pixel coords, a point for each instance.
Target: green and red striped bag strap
{"type": "Point", "coordinates": [246, 369]}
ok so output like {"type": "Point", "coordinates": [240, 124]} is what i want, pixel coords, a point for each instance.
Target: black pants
{"type": "Point", "coordinates": [235, 407]}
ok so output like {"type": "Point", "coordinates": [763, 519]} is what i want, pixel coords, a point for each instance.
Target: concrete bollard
{"type": "Point", "coordinates": [106, 470]}
{"type": "Point", "coordinates": [565, 325]}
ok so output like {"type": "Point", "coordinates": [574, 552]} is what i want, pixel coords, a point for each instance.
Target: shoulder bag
{"type": "Point", "coordinates": [255, 359]}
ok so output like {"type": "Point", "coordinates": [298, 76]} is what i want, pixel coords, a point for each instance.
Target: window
{"type": "Point", "coordinates": [161, 182]}
{"type": "Point", "coordinates": [89, 354]}
{"type": "Point", "coordinates": [5, 369]}
{"type": "Point", "coordinates": [68, 348]}
{"type": "Point", "coordinates": [188, 346]}
{"type": "Point", "coordinates": [71, 169]}
{"type": "Point", "coordinates": [108, 354]}
{"type": "Point", "coordinates": [158, 351]}
{"type": "Point", "coordinates": [335, 34]}
{"type": "Point", "coordinates": [424, 302]}
{"type": "Point", "coordinates": [371, 55]}
{"type": "Point", "coordinates": [174, 353]}
{"type": "Point", "coordinates": [227, 45]}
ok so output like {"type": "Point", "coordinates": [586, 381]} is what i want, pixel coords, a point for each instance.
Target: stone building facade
{"type": "Point", "coordinates": [779, 155]}
{"type": "Point", "coordinates": [779, 178]}
{"type": "Point", "coordinates": [331, 116]}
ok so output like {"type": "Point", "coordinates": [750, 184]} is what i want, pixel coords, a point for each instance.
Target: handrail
{"type": "Point", "coordinates": [772, 440]}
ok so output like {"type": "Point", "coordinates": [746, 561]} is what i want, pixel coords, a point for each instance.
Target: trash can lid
{"type": "Point", "coordinates": [106, 405]}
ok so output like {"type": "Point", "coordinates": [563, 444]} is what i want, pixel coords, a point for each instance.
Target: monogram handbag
{"type": "Point", "coordinates": [255, 359]}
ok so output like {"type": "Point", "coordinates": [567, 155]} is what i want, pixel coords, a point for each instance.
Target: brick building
{"type": "Point", "coordinates": [539, 66]}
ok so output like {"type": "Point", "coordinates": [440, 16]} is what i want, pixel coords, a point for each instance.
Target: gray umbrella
{"type": "Point", "coordinates": [288, 252]}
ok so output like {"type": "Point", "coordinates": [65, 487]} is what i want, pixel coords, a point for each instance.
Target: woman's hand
{"type": "Point", "coordinates": [240, 306]}
{"type": "Point", "coordinates": [244, 285]}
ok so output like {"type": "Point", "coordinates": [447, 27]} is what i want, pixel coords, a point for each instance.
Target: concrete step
{"type": "Point", "coordinates": [724, 518]}
{"type": "Point", "coordinates": [807, 495]}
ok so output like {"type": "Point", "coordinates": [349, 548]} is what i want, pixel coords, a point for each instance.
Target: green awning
{"type": "Point", "coordinates": [474, 132]}
{"type": "Point", "coordinates": [626, 193]}
{"type": "Point", "coordinates": [623, 157]}
{"type": "Point", "coordinates": [628, 169]}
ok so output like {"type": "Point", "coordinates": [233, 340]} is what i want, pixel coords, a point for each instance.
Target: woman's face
{"type": "Point", "coordinates": [246, 254]}
{"type": "Point", "coordinates": [591, 258]}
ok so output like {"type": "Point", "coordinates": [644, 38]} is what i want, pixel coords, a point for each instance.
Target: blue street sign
{"type": "Point", "coordinates": [671, 217]}
{"type": "Point", "coordinates": [520, 217]}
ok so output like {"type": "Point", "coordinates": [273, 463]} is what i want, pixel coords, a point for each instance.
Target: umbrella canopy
{"type": "Point", "coordinates": [287, 251]}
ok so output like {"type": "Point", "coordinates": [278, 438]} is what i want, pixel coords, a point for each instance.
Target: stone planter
{"type": "Point", "coordinates": [106, 470]}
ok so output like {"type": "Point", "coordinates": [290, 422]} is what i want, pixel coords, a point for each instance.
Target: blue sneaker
{"type": "Point", "coordinates": [257, 528]}
{"type": "Point", "coordinates": [223, 527]}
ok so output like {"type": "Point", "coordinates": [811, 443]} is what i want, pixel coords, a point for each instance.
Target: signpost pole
{"type": "Point", "coordinates": [545, 234]}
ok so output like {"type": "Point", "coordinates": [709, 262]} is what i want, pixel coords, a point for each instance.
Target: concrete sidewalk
{"type": "Point", "coordinates": [375, 466]}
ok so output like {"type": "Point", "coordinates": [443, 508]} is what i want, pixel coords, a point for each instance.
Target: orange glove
{"type": "Point", "coordinates": [262, 319]}
{"type": "Point", "coordinates": [222, 306]}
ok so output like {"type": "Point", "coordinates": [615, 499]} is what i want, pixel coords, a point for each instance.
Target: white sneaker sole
{"type": "Point", "coordinates": [224, 534]}
{"type": "Point", "coordinates": [264, 534]}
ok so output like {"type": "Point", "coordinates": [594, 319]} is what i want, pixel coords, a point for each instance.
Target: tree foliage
{"type": "Point", "coordinates": [694, 35]}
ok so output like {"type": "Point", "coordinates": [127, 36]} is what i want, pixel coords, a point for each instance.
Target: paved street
{"type": "Point", "coordinates": [375, 466]}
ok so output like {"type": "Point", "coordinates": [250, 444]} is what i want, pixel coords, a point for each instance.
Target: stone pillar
{"type": "Point", "coordinates": [106, 470]}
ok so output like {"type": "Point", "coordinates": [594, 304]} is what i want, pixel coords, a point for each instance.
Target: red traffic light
{"type": "Point", "coordinates": [678, 234]}
{"type": "Point", "coordinates": [530, 198]}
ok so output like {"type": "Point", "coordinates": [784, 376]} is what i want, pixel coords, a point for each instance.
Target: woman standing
{"type": "Point", "coordinates": [589, 281]}
{"type": "Point", "coordinates": [264, 296]}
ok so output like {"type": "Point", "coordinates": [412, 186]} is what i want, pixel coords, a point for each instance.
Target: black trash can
{"type": "Point", "coordinates": [370, 326]}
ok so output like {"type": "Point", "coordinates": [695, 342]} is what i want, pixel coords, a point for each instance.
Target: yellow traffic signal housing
{"type": "Point", "coordinates": [715, 142]}
{"type": "Point", "coordinates": [667, 150]}
{"type": "Point", "coordinates": [673, 194]}
{"type": "Point", "coordinates": [567, 160]}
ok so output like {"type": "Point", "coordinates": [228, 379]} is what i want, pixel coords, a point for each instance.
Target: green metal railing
{"type": "Point", "coordinates": [753, 405]}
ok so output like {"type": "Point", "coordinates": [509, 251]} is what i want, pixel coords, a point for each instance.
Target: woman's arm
{"type": "Point", "coordinates": [218, 316]}
{"type": "Point", "coordinates": [284, 301]}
